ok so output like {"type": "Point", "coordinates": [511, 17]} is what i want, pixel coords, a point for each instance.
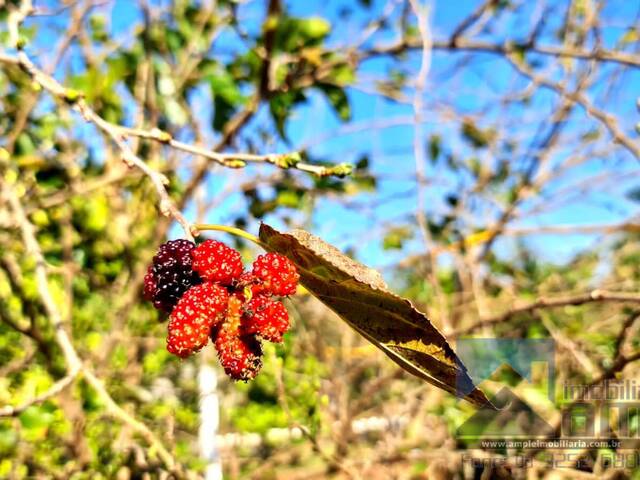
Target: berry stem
{"type": "Point", "coordinates": [238, 232]}
{"type": "Point", "coordinates": [202, 227]}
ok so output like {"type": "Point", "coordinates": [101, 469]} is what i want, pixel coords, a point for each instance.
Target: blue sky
{"type": "Point", "coordinates": [391, 149]}
{"type": "Point", "coordinates": [475, 89]}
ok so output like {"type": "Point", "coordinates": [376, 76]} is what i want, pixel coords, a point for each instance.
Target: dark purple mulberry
{"type": "Point", "coordinates": [171, 274]}
{"type": "Point", "coordinates": [149, 284]}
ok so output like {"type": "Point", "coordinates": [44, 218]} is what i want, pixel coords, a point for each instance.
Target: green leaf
{"type": "Point", "coordinates": [8, 438]}
{"type": "Point", "coordinates": [281, 106]}
{"type": "Point", "coordinates": [93, 212]}
{"type": "Point", "coordinates": [314, 27]}
{"type": "Point", "coordinates": [395, 238]}
{"type": "Point", "coordinates": [25, 145]}
{"type": "Point", "coordinates": [338, 100]}
{"type": "Point", "coordinates": [223, 85]}
{"type": "Point", "coordinates": [294, 34]}
{"type": "Point", "coordinates": [222, 112]}
{"type": "Point", "coordinates": [634, 194]}
{"type": "Point", "coordinates": [477, 137]}
{"type": "Point", "coordinates": [97, 25]}
{"type": "Point", "coordinates": [363, 163]}
{"type": "Point", "coordinates": [361, 183]}
{"type": "Point", "coordinates": [343, 75]}
{"type": "Point", "coordinates": [435, 146]}
{"type": "Point", "coordinates": [36, 417]}
{"type": "Point", "coordinates": [289, 198]}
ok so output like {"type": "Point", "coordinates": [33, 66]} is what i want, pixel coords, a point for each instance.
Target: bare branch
{"type": "Point", "coordinates": [628, 323]}
{"type": "Point", "coordinates": [463, 44]}
{"type": "Point", "coordinates": [471, 19]}
{"type": "Point", "coordinates": [118, 134]}
{"type": "Point", "coordinates": [595, 296]}
{"type": "Point", "coordinates": [73, 362]}
{"type": "Point", "coordinates": [422, 14]}
{"type": "Point", "coordinates": [56, 388]}
{"type": "Point", "coordinates": [609, 121]}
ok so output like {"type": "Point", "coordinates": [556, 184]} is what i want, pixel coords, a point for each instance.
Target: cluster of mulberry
{"type": "Point", "coordinates": [209, 296]}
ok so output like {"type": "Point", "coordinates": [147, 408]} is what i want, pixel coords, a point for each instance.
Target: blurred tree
{"type": "Point", "coordinates": [125, 123]}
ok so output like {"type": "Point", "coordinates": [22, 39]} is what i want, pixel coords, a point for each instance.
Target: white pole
{"type": "Point", "coordinates": [209, 420]}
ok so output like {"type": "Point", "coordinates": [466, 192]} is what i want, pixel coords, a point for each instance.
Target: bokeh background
{"type": "Point", "coordinates": [494, 181]}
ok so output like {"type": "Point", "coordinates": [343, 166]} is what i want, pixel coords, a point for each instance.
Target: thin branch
{"type": "Point", "coordinates": [478, 238]}
{"type": "Point", "coordinates": [471, 19]}
{"type": "Point", "coordinates": [609, 121]}
{"type": "Point", "coordinates": [462, 44]}
{"type": "Point", "coordinates": [118, 412]}
{"type": "Point", "coordinates": [232, 160]}
{"type": "Point", "coordinates": [118, 132]}
{"type": "Point", "coordinates": [631, 319]}
{"type": "Point", "coordinates": [422, 14]}
{"type": "Point", "coordinates": [421, 82]}
{"type": "Point", "coordinates": [595, 296]}
{"type": "Point", "coordinates": [73, 362]}
{"type": "Point", "coordinates": [17, 15]}
{"type": "Point", "coordinates": [71, 357]}
{"type": "Point", "coordinates": [568, 344]}
{"type": "Point", "coordinates": [74, 98]}
{"type": "Point", "coordinates": [528, 184]}
{"type": "Point", "coordinates": [574, 229]}
{"type": "Point", "coordinates": [56, 388]}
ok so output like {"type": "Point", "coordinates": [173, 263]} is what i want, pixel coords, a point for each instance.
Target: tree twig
{"type": "Point", "coordinates": [115, 132]}
{"type": "Point", "coordinates": [595, 296]}
{"type": "Point", "coordinates": [626, 326]}
{"type": "Point", "coordinates": [119, 132]}
{"type": "Point", "coordinates": [422, 14]}
{"type": "Point", "coordinates": [463, 44]}
{"type": "Point", "coordinates": [609, 121]}
{"type": "Point", "coordinates": [118, 135]}
{"type": "Point", "coordinates": [471, 19]}
{"type": "Point", "coordinates": [56, 388]}
{"type": "Point", "coordinates": [73, 362]}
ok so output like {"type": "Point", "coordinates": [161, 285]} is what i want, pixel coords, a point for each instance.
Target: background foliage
{"type": "Point", "coordinates": [500, 194]}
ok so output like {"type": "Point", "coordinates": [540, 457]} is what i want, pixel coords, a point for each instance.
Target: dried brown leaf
{"type": "Point", "coordinates": [359, 295]}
